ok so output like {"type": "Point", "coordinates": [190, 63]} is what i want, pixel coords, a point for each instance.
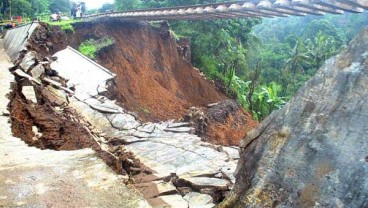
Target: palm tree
{"type": "Point", "coordinates": [321, 48]}
{"type": "Point", "coordinates": [297, 59]}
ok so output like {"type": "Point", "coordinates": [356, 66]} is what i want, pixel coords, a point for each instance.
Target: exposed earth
{"type": "Point", "coordinates": [153, 80]}
{"type": "Point", "coordinates": [66, 102]}
{"type": "Point", "coordinates": [166, 131]}
{"type": "Point", "coordinates": [31, 177]}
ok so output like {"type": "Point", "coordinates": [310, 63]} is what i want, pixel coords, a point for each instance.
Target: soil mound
{"type": "Point", "coordinates": [223, 123]}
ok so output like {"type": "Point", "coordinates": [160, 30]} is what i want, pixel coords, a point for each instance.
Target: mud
{"type": "Point", "coordinates": [223, 123]}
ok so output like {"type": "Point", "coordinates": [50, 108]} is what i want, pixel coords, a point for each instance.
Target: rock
{"type": "Point", "coordinates": [24, 75]}
{"type": "Point", "coordinates": [312, 152]}
{"type": "Point", "coordinates": [175, 201]}
{"type": "Point", "coordinates": [232, 152]}
{"type": "Point", "coordinates": [205, 182]}
{"type": "Point", "coordinates": [147, 128]}
{"type": "Point", "coordinates": [28, 61]}
{"type": "Point", "coordinates": [222, 110]}
{"type": "Point", "coordinates": [122, 121]}
{"type": "Point", "coordinates": [212, 105]}
{"type": "Point", "coordinates": [179, 130]}
{"type": "Point", "coordinates": [106, 107]}
{"type": "Point", "coordinates": [37, 71]}
{"type": "Point", "coordinates": [176, 125]}
{"type": "Point", "coordinates": [29, 93]}
{"type": "Point", "coordinates": [198, 200]}
{"type": "Point", "coordinates": [54, 96]}
{"type": "Point", "coordinates": [165, 188]}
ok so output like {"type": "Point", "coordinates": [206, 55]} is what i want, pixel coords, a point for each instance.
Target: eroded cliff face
{"type": "Point", "coordinates": [313, 152]}
{"type": "Point", "coordinates": [154, 78]}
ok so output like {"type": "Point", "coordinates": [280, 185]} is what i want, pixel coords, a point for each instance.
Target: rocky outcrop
{"type": "Point", "coordinates": [313, 152]}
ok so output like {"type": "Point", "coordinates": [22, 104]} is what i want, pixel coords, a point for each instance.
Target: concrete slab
{"type": "Point", "coordinates": [85, 74]}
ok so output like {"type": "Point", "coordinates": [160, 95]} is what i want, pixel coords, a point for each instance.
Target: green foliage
{"type": "Point", "coordinates": [124, 5]}
{"type": "Point", "coordinates": [107, 7]}
{"type": "Point", "coordinates": [88, 48]}
{"type": "Point", "coordinates": [91, 47]}
{"type": "Point", "coordinates": [60, 6]}
{"type": "Point", "coordinates": [64, 25]}
{"type": "Point", "coordinates": [21, 8]}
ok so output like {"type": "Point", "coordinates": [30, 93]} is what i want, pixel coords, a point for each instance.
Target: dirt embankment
{"type": "Point", "coordinates": [153, 79]}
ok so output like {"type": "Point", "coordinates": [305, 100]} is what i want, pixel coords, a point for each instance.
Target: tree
{"type": "Point", "coordinates": [124, 5]}
{"type": "Point", "coordinates": [107, 7]}
{"type": "Point", "coordinates": [21, 8]}
{"type": "Point", "coordinates": [297, 59]}
{"type": "Point", "coordinates": [4, 5]}
{"type": "Point", "coordinates": [327, 28]}
{"type": "Point", "coordinates": [60, 6]}
{"type": "Point", "coordinates": [40, 7]}
{"type": "Point", "coordinates": [321, 48]}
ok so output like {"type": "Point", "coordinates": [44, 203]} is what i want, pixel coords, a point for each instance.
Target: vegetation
{"type": "Point", "coordinates": [91, 47]}
{"type": "Point", "coordinates": [261, 63]}
{"type": "Point", "coordinates": [33, 8]}
{"type": "Point", "coordinates": [64, 25]}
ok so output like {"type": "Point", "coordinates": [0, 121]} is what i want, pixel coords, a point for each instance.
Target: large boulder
{"type": "Point", "coordinates": [314, 151]}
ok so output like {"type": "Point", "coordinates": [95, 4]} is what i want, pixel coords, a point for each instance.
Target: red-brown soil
{"type": "Point", "coordinates": [60, 130]}
{"type": "Point", "coordinates": [232, 130]}
{"type": "Point", "coordinates": [225, 123]}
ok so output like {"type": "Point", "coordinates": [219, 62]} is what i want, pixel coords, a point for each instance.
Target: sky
{"type": "Point", "coordinates": [95, 4]}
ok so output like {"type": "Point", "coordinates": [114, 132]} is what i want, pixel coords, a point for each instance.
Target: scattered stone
{"type": "Point", "coordinates": [103, 107]}
{"type": "Point", "coordinates": [29, 93]}
{"type": "Point", "coordinates": [29, 61]}
{"type": "Point", "coordinates": [176, 201]}
{"type": "Point", "coordinates": [176, 125]}
{"type": "Point", "coordinates": [54, 96]}
{"type": "Point", "coordinates": [122, 121]}
{"type": "Point", "coordinates": [57, 84]}
{"type": "Point", "coordinates": [24, 75]}
{"type": "Point", "coordinates": [198, 200]}
{"type": "Point", "coordinates": [35, 131]}
{"type": "Point", "coordinates": [165, 188]}
{"type": "Point", "coordinates": [184, 190]}
{"type": "Point", "coordinates": [212, 105]}
{"type": "Point", "coordinates": [179, 130]}
{"type": "Point", "coordinates": [205, 182]}
{"type": "Point", "coordinates": [37, 71]}
{"type": "Point", "coordinates": [147, 128]}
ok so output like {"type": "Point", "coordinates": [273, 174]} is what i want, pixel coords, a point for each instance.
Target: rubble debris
{"type": "Point", "coordinates": [165, 156]}
{"type": "Point", "coordinates": [224, 123]}
{"type": "Point", "coordinates": [24, 75]}
{"type": "Point", "coordinates": [29, 93]}
{"type": "Point", "coordinates": [29, 61]}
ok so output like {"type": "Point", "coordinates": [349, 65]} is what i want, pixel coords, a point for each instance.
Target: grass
{"type": "Point", "coordinates": [90, 47]}
{"type": "Point", "coordinates": [65, 25]}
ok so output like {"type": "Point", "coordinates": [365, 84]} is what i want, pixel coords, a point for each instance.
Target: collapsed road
{"type": "Point", "coordinates": [58, 103]}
